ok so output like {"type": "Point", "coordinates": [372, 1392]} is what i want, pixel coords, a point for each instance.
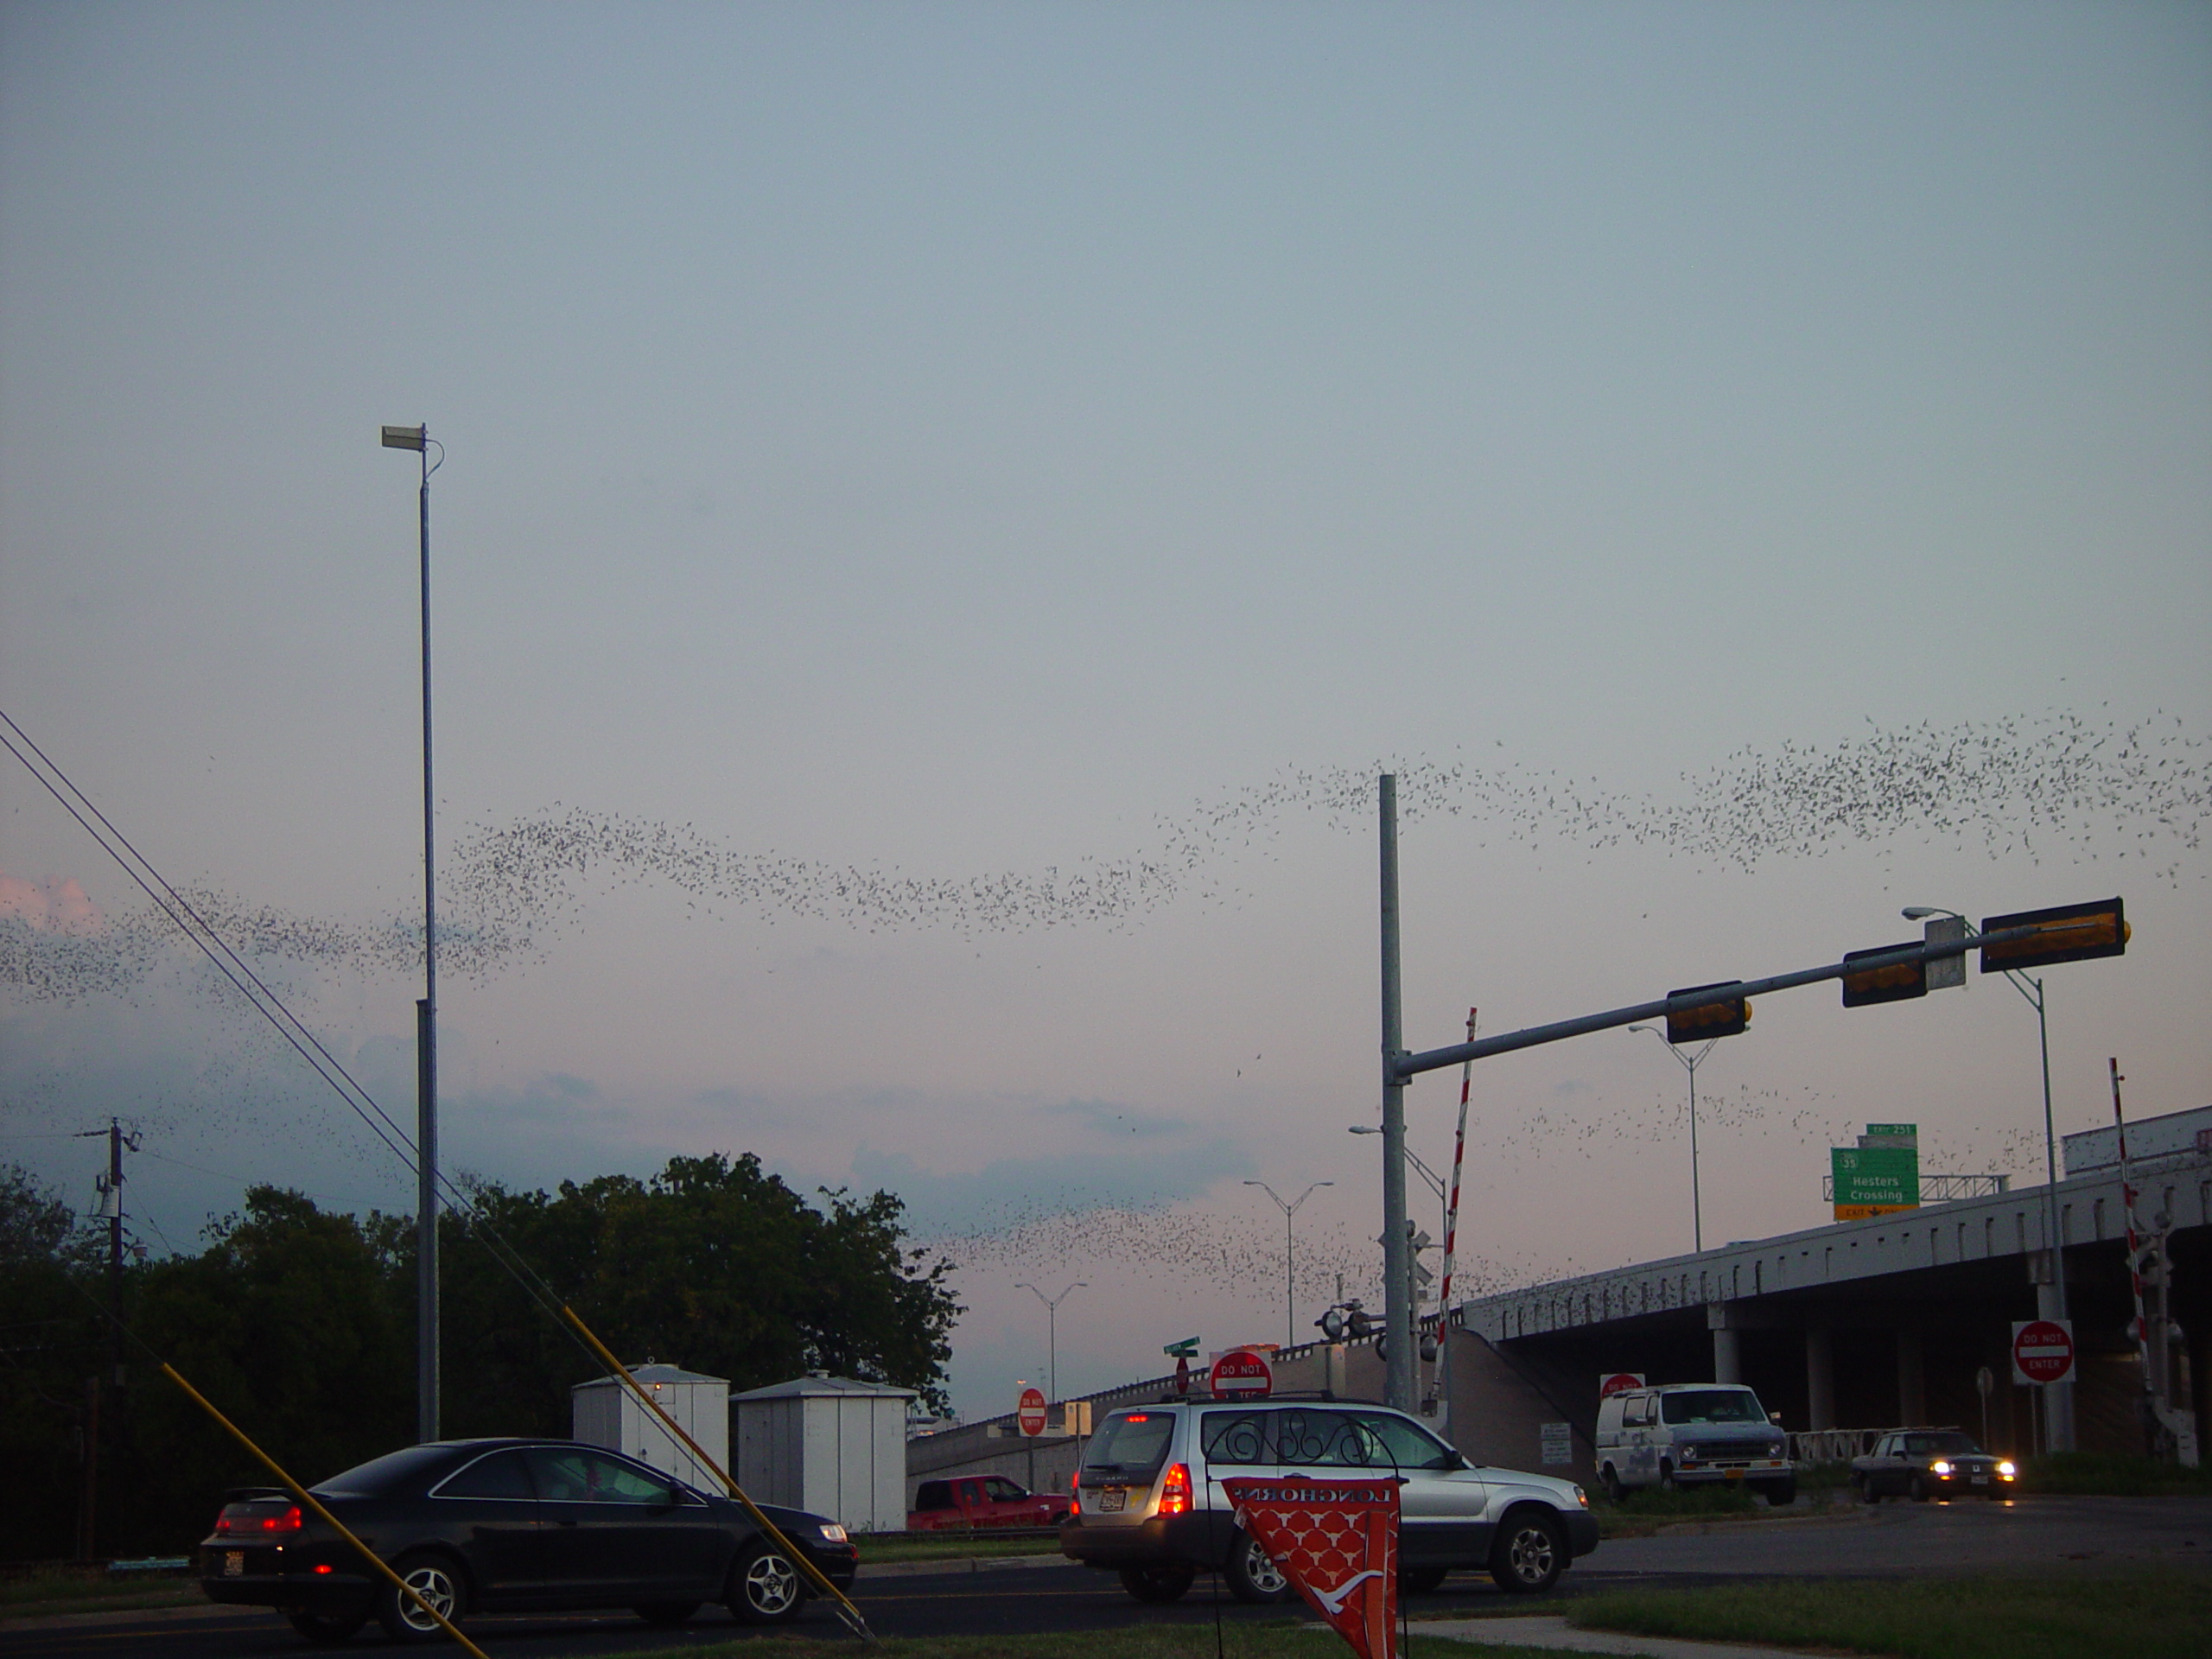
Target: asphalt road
{"type": "Point", "coordinates": [1900, 1540]}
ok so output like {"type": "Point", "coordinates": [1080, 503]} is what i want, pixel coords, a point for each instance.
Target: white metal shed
{"type": "Point", "coordinates": [604, 1413]}
{"type": "Point", "coordinates": [828, 1444]}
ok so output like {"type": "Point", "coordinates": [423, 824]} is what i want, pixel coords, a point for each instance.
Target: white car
{"type": "Point", "coordinates": [1150, 1503]}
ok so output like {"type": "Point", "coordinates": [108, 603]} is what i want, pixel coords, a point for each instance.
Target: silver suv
{"type": "Point", "coordinates": [1149, 1501]}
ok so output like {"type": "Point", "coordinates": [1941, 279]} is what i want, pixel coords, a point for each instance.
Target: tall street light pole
{"type": "Point", "coordinates": [1052, 1333]}
{"type": "Point", "coordinates": [1400, 1366]}
{"type": "Point", "coordinates": [1289, 1293]}
{"type": "Point", "coordinates": [2058, 1423]}
{"type": "Point", "coordinates": [418, 439]}
{"type": "Point", "coordinates": [1690, 1063]}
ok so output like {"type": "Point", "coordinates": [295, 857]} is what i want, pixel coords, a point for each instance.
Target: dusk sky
{"type": "Point", "coordinates": [949, 507]}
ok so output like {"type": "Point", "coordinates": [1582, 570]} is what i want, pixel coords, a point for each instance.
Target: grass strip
{"type": "Point", "coordinates": [2096, 1474]}
{"type": "Point", "coordinates": [881, 1547]}
{"type": "Point", "coordinates": [77, 1591]}
{"type": "Point", "coordinates": [1240, 1640]}
{"type": "Point", "coordinates": [2144, 1614]}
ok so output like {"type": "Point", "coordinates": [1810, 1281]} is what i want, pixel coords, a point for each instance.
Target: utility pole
{"type": "Point", "coordinates": [111, 1210]}
{"type": "Point", "coordinates": [418, 439]}
{"type": "Point", "coordinates": [1400, 1366]}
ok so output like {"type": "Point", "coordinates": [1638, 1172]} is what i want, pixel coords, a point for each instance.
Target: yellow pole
{"type": "Point", "coordinates": [846, 1611]}
{"type": "Point", "coordinates": [325, 1515]}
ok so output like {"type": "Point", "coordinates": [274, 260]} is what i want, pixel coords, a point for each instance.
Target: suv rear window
{"type": "Point", "coordinates": [1131, 1442]}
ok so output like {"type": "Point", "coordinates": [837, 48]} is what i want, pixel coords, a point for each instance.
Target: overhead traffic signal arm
{"type": "Point", "coordinates": [2032, 938]}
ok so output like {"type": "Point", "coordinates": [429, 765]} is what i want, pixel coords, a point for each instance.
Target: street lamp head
{"type": "Point", "coordinates": [406, 437]}
{"type": "Point", "coordinates": [1363, 1128]}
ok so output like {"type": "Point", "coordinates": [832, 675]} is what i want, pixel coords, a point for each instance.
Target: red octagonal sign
{"type": "Point", "coordinates": [1241, 1374]}
{"type": "Point", "coordinates": [1031, 1413]}
{"type": "Point", "coordinates": [2043, 1351]}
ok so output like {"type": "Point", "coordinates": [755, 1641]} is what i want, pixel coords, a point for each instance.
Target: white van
{"type": "Point", "coordinates": [1690, 1434]}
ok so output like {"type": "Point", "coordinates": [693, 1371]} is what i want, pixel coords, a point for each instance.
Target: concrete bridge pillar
{"type": "Point", "coordinates": [1912, 1378]}
{"type": "Point", "coordinates": [1727, 1355]}
{"type": "Point", "coordinates": [1820, 1379]}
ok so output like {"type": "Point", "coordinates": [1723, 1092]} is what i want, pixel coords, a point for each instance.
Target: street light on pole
{"type": "Point", "coordinates": [418, 439]}
{"type": "Point", "coordinates": [2031, 991]}
{"type": "Point", "coordinates": [1690, 1063]}
{"type": "Point", "coordinates": [1289, 1293]}
{"type": "Point", "coordinates": [1053, 1332]}
{"type": "Point", "coordinates": [1436, 1182]}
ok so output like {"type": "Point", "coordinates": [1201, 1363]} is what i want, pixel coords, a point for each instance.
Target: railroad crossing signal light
{"type": "Point", "coordinates": [1714, 1020]}
{"type": "Point", "coordinates": [1895, 983]}
{"type": "Point", "coordinates": [2064, 933]}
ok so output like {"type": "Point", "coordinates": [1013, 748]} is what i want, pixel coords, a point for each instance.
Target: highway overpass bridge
{"type": "Point", "coordinates": [1856, 1326]}
{"type": "Point", "coordinates": [1872, 1323]}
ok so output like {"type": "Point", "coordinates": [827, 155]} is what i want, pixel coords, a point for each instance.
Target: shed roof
{"type": "Point", "coordinates": [650, 1374]}
{"type": "Point", "coordinates": [804, 1388]}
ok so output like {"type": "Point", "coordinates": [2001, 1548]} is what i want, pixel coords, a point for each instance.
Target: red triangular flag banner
{"type": "Point", "coordinates": [1336, 1540]}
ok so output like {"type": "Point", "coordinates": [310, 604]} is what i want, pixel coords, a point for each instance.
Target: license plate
{"type": "Point", "coordinates": [1732, 1474]}
{"type": "Point", "coordinates": [1113, 1498]}
{"type": "Point", "coordinates": [1981, 1480]}
{"type": "Point", "coordinates": [234, 1563]}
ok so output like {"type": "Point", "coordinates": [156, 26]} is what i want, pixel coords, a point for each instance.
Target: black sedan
{"type": "Point", "coordinates": [1924, 1462]}
{"type": "Point", "coordinates": [501, 1526]}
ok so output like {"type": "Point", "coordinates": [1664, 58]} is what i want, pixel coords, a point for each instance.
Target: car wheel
{"type": "Point", "coordinates": [328, 1628]}
{"type": "Point", "coordinates": [1529, 1554]}
{"type": "Point", "coordinates": [1420, 1580]}
{"type": "Point", "coordinates": [1869, 1490]}
{"type": "Point", "coordinates": [1919, 1490]}
{"type": "Point", "coordinates": [1611, 1480]}
{"type": "Point", "coordinates": [1780, 1494]}
{"type": "Point", "coordinates": [666, 1614]}
{"type": "Point", "coordinates": [1252, 1573]}
{"type": "Point", "coordinates": [1158, 1581]}
{"type": "Point", "coordinates": [764, 1588]}
{"type": "Point", "coordinates": [434, 1579]}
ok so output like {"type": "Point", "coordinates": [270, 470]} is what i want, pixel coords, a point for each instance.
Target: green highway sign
{"type": "Point", "coordinates": [1186, 1349]}
{"type": "Point", "coordinates": [1872, 1181]}
{"type": "Point", "coordinates": [1908, 1131]}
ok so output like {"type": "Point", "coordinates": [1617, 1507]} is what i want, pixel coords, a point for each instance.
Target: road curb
{"type": "Point", "coordinates": [958, 1564]}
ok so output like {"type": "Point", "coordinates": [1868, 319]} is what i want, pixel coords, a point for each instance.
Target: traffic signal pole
{"type": "Point", "coordinates": [1405, 1067]}
{"type": "Point", "coordinates": [2058, 935]}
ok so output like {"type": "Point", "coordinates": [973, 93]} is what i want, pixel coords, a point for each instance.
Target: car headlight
{"type": "Point", "coordinates": [1689, 1455]}
{"type": "Point", "coordinates": [1582, 1497]}
{"type": "Point", "coordinates": [831, 1532]}
{"type": "Point", "coordinates": [1775, 1451]}
{"type": "Point", "coordinates": [1941, 1466]}
{"type": "Point", "coordinates": [2006, 1469]}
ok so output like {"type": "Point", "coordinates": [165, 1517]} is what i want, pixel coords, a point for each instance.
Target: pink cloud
{"type": "Point", "coordinates": [60, 904]}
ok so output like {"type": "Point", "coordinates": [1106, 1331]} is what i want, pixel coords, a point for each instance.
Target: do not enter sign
{"type": "Point", "coordinates": [1240, 1374]}
{"type": "Point", "coordinates": [2043, 1351]}
{"type": "Point", "coordinates": [1031, 1413]}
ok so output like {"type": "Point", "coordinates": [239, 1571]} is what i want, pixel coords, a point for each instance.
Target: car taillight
{"type": "Point", "coordinates": [1075, 1504]}
{"type": "Point", "coordinates": [234, 1523]}
{"type": "Point", "coordinates": [1175, 1490]}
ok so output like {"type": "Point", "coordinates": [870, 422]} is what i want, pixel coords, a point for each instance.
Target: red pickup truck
{"type": "Point", "coordinates": [983, 1500]}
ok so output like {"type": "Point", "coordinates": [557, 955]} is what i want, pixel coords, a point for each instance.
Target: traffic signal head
{"type": "Point", "coordinates": [1722, 1018]}
{"type": "Point", "coordinates": [1894, 983]}
{"type": "Point", "coordinates": [2063, 933]}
